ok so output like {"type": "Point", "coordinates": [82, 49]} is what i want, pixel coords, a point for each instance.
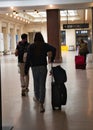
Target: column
{"type": "Point", "coordinates": [7, 37]}
{"type": "Point", "coordinates": [0, 27]}
{"type": "Point", "coordinates": [92, 30]}
{"type": "Point", "coordinates": [13, 38]}
{"type": "Point", "coordinates": [20, 31]}
{"type": "Point", "coordinates": [53, 31]}
{"type": "Point", "coordinates": [1, 39]}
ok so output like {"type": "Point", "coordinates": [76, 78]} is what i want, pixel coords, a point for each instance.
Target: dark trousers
{"type": "Point", "coordinates": [39, 77]}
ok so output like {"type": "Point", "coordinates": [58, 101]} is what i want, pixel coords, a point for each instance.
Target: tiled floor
{"type": "Point", "coordinates": [23, 113]}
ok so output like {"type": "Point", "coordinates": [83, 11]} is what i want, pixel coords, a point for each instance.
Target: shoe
{"type": "Point", "coordinates": [36, 100]}
{"type": "Point", "coordinates": [24, 93]}
{"type": "Point", "coordinates": [27, 90]}
{"type": "Point", "coordinates": [42, 109]}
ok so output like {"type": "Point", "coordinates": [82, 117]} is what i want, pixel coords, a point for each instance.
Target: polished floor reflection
{"type": "Point", "coordinates": [23, 113]}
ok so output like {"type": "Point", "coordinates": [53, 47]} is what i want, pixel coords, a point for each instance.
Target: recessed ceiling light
{"type": "Point", "coordinates": [12, 7]}
{"type": "Point", "coordinates": [51, 6]}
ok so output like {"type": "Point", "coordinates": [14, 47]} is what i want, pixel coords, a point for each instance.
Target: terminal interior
{"type": "Point", "coordinates": [75, 24]}
{"type": "Point", "coordinates": [22, 113]}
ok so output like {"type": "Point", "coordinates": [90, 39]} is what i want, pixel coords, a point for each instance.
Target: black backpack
{"type": "Point", "coordinates": [59, 74]}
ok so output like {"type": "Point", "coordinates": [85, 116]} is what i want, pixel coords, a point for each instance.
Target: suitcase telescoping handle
{"type": "Point", "coordinates": [51, 65]}
{"type": "Point", "coordinates": [51, 72]}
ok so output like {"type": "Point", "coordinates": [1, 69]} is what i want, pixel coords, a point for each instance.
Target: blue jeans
{"type": "Point", "coordinates": [39, 76]}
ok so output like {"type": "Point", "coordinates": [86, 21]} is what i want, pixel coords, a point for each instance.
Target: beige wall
{"type": "Point", "coordinates": [70, 37]}
{"type": "Point", "coordinates": [20, 28]}
{"type": "Point", "coordinates": [38, 27]}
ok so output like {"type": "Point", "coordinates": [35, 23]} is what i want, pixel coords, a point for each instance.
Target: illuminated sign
{"type": "Point", "coordinates": [73, 26]}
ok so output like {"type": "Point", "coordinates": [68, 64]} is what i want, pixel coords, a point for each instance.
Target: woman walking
{"type": "Point", "coordinates": [37, 59]}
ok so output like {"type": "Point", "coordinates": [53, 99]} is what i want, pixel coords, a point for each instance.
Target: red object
{"type": "Point", "coordinates": [80, 62]}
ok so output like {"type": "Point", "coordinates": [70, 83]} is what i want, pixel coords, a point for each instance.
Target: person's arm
{"type": "Point", "coordinates": [52, 51]}
{"type": "Point", "coordinates": [53, 54]}
{"type": "Point", "coordinates": [27, 63]}
{"type": "Point", "coordinates": [16, 52]}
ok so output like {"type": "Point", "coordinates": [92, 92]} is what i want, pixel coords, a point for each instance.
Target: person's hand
{"type": "Point", "coordinates": [50, 72]}
{"type": "Point", "coordinates": [16, 53]}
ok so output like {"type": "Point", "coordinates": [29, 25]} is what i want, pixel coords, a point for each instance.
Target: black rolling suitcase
{"type": "Point", "coordinates": [58, 88]}
{"type": "Point", "coordinates": [63, 94]}
{"type": "Point", "coordinates": [56, 96]}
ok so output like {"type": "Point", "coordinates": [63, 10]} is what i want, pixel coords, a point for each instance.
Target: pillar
{"type": "Point", "coordinates": [92, 30]}
{"type": "Point", "coordinates": [0, 27]}
{"type": "Point", "coordinates": [53, 32]}
{"type": "Point", "coordinates": [7, 37]}
{"type": "Point", "coordinates": [1, 39]}
{"type": "Point", "coordinates": [13, 39]}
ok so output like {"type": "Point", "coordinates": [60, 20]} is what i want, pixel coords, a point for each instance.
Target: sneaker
{"type": "Point", "coordinates": [24, 93]}
{"type": "Point", "coordinates": [36, 100]}
{"type": "Point", "coordinates": [42, 109]}
{"type": "Point", "coordinates": [27, 90]}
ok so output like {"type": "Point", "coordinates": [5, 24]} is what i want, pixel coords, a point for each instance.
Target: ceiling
{"type": "Point", "coordinates": [45, 3]}
{"type": "Point", "coordinates": [35, 10]}
{"type": "Point", "coordinates": [28, 17]}
{"type": "Point", "coordinates": [30, 5]}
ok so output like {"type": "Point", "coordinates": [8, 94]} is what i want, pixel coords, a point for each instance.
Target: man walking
{"type": "Point", "coordinates": [21, 52]}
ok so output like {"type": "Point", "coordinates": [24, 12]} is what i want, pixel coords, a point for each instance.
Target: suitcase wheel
{"type": "Point", "coordinates": [58, 108]}
{"type": "Point", "coordinates": [53, 108]}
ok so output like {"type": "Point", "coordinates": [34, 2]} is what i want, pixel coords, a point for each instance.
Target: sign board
{"type": "Point", "coordinates": [73, 26]}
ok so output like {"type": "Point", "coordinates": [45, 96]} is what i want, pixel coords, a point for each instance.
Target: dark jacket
{"type": "Point", "coordinates": [41, 59]}
{"type": "Point", "coordinates": [22, 48]}
{"type": "Point", "coordinates": [83, 48]}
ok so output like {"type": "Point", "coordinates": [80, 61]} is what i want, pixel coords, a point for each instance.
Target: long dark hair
{"type": "Point", "coordinates": [38, 41]}
{"type": "Point", "coordinates": [38, 38]}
